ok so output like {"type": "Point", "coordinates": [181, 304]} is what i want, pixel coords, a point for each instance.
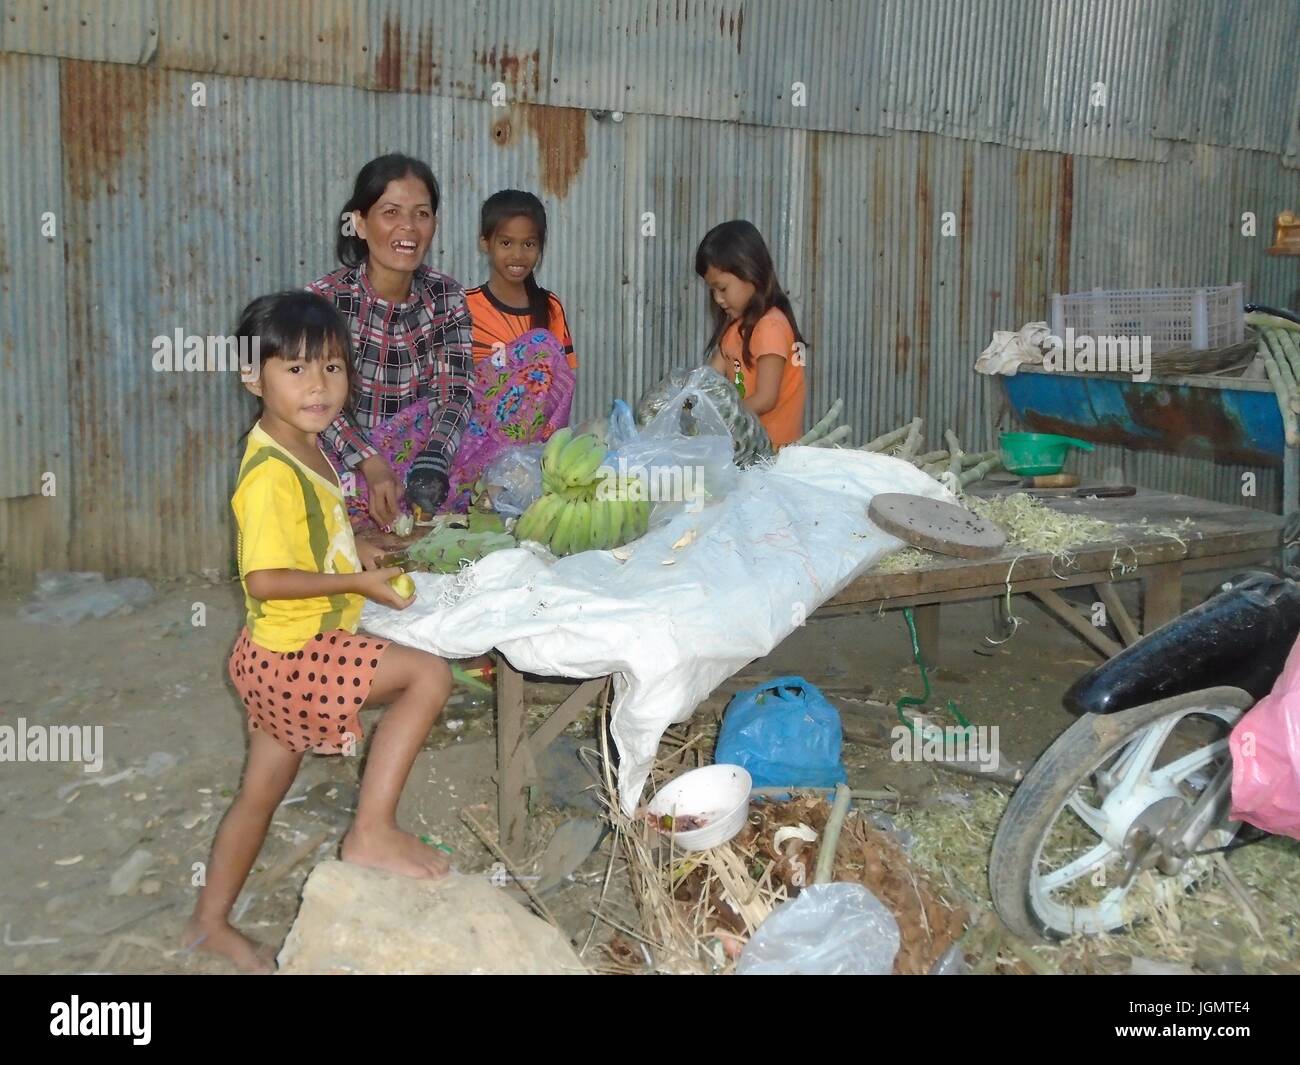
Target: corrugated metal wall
{"type": "Point", "coordinates": [170, 216]}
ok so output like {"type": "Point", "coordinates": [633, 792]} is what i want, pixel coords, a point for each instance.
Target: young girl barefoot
{"type": "Point", "coordinates": [754, 331]}
{"type": "Point", "coordinates": [300, 666]}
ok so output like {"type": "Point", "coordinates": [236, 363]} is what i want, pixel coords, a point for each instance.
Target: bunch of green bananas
{"type": "Point", "coordinates": [570, 461]}
{"type": "Point", "coordinates": [569, 516]}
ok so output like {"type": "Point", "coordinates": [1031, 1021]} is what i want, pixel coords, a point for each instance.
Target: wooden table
{"type": "Point", "coordinates": [1219, 537]}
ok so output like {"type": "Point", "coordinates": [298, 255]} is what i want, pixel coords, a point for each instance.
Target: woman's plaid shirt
{"type": "Point", "coordinates": [403, 352]}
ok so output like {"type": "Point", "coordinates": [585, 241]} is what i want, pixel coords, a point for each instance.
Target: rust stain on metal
{"type": "Point", "coordinates": [388, 64]}
{"type": "Point", "coordinates": [502, 130]}
{"type": "Point", "coordinates": [1187, 421]}
{"type": "Point", "coordinates": [964, 248]}
{"type": "Point", "coordinates": [924, 267]}
{"type": "Point", "coordinates": [1033, 229]}
{"type": "Point", "coordinates": [902, 344]}
{"type": "Point", "coordinates": [424, 61]}
{"type": "Point", "coordinates": [1064, 223]}
{"type": "Point", "coordinates": [519, 70]}
{"type": "Point", "coordinates": [104, 112]}
{"type": "Point", "coordinates": [561, 134]}
{"type": "Point", "coordinates": [812, 255]}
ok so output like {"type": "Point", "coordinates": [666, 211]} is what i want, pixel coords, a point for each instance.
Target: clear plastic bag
{"type": "Point", "coordinates": [514, 479]}
{"type": "Point", "coordinates": [67, 598]}
{"type": "Point", "coordinates": [829, 930]}
{"type": "Point", "coordinates": [703, 402]}
{"type": "Point", "coordinates": [677, 473]}
{"type": "Point", "coordinates": [622, 425]}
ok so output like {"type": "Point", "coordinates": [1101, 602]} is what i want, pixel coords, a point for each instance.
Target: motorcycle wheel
{"type": "Point", "coordinates": [1061, 839]}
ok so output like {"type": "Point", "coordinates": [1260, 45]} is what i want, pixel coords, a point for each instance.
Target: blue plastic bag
{"type": "Point", "coordinates": [784, 733]}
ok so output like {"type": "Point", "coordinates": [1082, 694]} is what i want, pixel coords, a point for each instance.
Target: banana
{"type": "Point", "coordinates": [538, 520]}
{"type": "Point", "coordinates": [600, 524]}
{"type": "Point", "coordinates": [556, 444]}
{"type": "Point", "coordinates": [524, 526]}
{"type": "Point", "coordinates": [580, 460]}
{"type": "Point", "coordinates": [551, 515]}
{"type": "Point", "coordinates": [562, 535]}
{"type": "Point", "coordinates": [582, 528]}
{"type": "Point", "coordinates": [614, 522]}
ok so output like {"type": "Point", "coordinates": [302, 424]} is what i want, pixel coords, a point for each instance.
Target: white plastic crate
{"type": "Point", "coordinates": [1173, 318]}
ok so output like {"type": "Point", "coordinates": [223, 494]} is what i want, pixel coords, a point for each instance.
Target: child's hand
{"type": "Point", "coordinates": [373, 584]}
{"type": "Point", "coordinates": [369, 553]}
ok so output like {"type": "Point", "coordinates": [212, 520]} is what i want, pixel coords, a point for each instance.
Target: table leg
{"type": "Point", "coordinates": [927, 633]}
{"type": "Point", "coordinates": [1162, 594]}
{"type": "Point", "coordinates": [1125, 625]}
{"type": "Point", "coordinates": [1061, 609]}
{"type": "Point", "coordinates": [512, 746]}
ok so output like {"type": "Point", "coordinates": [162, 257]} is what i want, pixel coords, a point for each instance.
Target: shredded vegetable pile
{"type": "Point", "coordinates": [1030, 526]}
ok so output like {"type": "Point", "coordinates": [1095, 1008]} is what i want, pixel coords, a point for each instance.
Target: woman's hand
{"type": "Point", "coordinates": [426, 488]}
{"type": "Point", "coordinates": [383, 488]}
{"type": "Point", "coordinates": [373, 584]}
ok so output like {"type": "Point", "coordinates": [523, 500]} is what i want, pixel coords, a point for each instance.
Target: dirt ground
{"type": "Point", "coordinates": [157, 684]}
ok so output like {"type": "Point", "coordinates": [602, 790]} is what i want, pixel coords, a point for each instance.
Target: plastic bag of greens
{"type": "Point", "coordinates": [701, 402]}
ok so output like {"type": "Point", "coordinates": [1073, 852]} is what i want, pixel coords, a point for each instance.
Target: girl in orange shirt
{"type": "Point", "coordinates": [755, 333]}
{"type": "Point", "coordinates": [523, 354]}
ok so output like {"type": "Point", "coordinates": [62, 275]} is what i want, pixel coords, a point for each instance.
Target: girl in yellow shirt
{"type": "Point", "coordinates": [300, 667]}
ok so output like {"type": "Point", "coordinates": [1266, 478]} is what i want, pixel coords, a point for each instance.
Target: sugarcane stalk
{"type": "Point", "coordinates": [886, 439]}
{"type": "Point", "coordinates": [935, 468]}
{"type": "Point", "coordinates": [1286, 370]}
{"type": "Point", "coordinates": [955, 452]}
{"type": "Point", "coordinates": [832, 439]}
{"type": "Point", "coordinates": [1291, 349]}
{"type": "Point", "coordinates": [980, 470]}
{"type": "Point", "coordinates": [975, 458]}
{"type": "Point", "coordinates": [929, 457]}
{"type": "Point", "coordinates": [1283, 396]}
{"type": "Point", "coordinates": [1282, 364]}
{"type": "Point", "coordinates": [823, 425]}
{"type": "Point", "coordinates": [825, 867]}
{"type": "Point", "coordinates": [913, 442]}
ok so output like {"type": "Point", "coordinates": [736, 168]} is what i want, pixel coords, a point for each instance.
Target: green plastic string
{"type": "Point", "coordinates": [924, 697]}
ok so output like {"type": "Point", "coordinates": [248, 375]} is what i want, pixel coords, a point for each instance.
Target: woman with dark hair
{"type": "Point", "coordinates": [523, 355]}
{"type": "Point", "coordinates": [410, 329]}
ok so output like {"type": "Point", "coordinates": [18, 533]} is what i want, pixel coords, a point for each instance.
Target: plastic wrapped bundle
{"type": "Point", "coordinates": [707, 403]}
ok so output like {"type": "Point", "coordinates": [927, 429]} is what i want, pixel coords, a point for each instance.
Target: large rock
{"type": "Point", "coordinates": [357, 920]}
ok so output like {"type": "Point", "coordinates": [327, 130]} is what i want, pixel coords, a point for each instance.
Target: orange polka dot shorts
{"type": "Point", "coordinates": [308, 700]}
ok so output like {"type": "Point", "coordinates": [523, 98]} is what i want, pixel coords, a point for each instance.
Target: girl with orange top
{"type": "Point", "coordinates": [755, 333]}
{"type": "Point", "coordinates": [523, 354]}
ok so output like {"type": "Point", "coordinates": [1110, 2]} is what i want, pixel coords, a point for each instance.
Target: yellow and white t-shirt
{"type": "Point", "coordinates": [290, 517]}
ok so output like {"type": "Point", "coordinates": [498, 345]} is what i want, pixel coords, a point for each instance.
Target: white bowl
{"type": "Point", "coordinates": [717, 794]}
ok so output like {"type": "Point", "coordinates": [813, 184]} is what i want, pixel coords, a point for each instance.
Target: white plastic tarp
{"type": "Point", "coordinates": [669, 624]}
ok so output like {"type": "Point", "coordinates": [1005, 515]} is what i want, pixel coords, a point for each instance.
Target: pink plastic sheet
{"type": "Point", "coordinates": [1266, 757]}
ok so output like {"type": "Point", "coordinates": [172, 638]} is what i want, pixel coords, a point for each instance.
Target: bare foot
{"type": "Point", "coordinates": [394, 850]}
{"type": "Point", "coordinates": [247, 955]}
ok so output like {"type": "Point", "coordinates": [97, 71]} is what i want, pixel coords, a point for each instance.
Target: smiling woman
{"type": "Point", "coordinates": [410, 330]}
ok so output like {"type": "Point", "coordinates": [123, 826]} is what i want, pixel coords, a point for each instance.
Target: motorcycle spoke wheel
{"type": "Point", "coordinates": [1059, 858]}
